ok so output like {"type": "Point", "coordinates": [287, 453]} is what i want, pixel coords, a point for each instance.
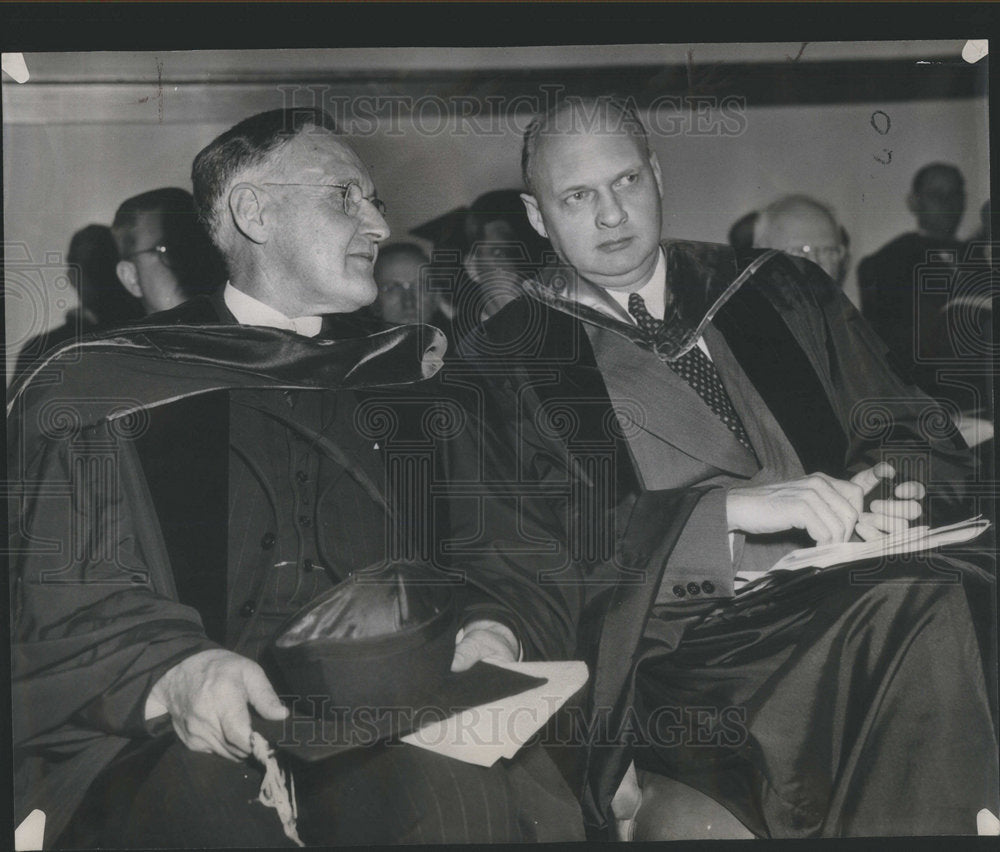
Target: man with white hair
{"type": "Point", "coordinates": [803, 227]}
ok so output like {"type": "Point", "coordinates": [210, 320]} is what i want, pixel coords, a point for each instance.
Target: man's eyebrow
{"type": "Point", "coordinates": [635, 167]}
{"type": "Point", "coordinates": [574, 188]}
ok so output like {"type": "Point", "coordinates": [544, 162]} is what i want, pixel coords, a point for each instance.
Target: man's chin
{"type": "Point", "coordinates": [623, 272]}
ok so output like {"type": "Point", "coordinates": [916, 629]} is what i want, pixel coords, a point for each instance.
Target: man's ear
{"type": "Point", "coordinates": [534, 214]}
{"type": "Point", "coordinates": [654, 164]}
{"type": "Point", "coordinates": [129, 276]}
{"type": "Point", "coordinates": [246, 206]}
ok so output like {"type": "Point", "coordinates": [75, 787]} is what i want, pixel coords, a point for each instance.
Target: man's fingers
{"type": "Point", "coordinates": [906, 509]}
{"type": "Point", "coordinates": [236, 731]}
{"type": "Point", "coordinates": [815, 521]}
{"type": "Point", "coordinates": [872, 476]}
{"type": "Point", "coordinates": [882, 524]}
{"type": "Point", "coordinates": [464, 657]}
{"type": "Point", "coordinates": [867, 531]}
{"type": "Point", "coordinates": [910, 491]}
{"type": "Point", "coordinates": [845, 509]}
{"type": "Point", "coordinates": [203, 737]}
{"type": "Point", "coordinates": [262, 696]}
{"type": "Point", "coordinates": [850, 491]}
{"type": "Point", "coordinates": [836, 513]}
{"type": "Point", "coordinates": [478, 645]}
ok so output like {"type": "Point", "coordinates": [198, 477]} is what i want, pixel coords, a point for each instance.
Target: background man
{"type": "Point", "coordinates": [905, 315]}
{"type": "Point", "coordinates": [103, 302]}
{"type": "Point", "coordinates": [166, 257]}
{"type": "Point", "coordinates": [225, 513]}
{"type": "Point", "coordinates": [803, 227]}
{"type": "Point", "coordinates": [700, 431]}
{"type": "Point", "coordinates": [403, 292]}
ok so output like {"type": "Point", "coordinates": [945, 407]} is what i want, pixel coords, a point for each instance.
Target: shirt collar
{"type": "Point", "coordinates": [653, 292]}
{"type": "Point", "coordinates": [251, 311]}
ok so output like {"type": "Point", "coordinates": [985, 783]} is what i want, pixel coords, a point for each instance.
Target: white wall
{"type": "Point", "coordinates": [59, 177]}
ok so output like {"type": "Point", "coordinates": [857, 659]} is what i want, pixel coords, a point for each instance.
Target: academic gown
{"type": "Point", "coordinates": [121, 445]}
{"type": "Point", "coordinates": [593, 539]}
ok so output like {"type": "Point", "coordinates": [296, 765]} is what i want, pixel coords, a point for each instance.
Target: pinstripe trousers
{"type": "Point", "coordinates": [160, 794]}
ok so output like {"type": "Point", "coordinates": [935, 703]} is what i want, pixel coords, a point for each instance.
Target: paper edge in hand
{"type": "Point", "coordinates": [484, 734]}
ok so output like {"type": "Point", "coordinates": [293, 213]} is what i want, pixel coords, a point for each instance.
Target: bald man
{"type": "Point", "coordinates": [801, 226]}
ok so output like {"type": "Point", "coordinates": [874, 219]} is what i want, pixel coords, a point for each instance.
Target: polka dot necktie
{"type": "Point", "coordinates": [697, 369]}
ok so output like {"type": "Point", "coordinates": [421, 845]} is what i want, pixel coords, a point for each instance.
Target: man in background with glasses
{"type": "Point", "coordinates": [165, 256]}
{"type": "Point", "coordinates": [800, 226]}
{"type": "Point", "coordinates": [224, 514]}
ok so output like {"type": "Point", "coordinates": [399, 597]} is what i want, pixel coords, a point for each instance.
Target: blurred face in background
{"type": "Point", "coordinates": [940, 203]}
{"type": "Point", "coordinates": [402, 298]}
{"type": "Point", "coordinates": [498, 261]}
{"type": "Point", "coordinates": [810, 233]}
{"type": "Point", "coordinates": [150, 272]}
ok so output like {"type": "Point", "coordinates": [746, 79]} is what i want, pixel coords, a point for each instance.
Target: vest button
{"type": "Point", "coordinates": [248, 609]}
{"type": "Point", "coordinates": [708, 587]}
{"type": "Point", "coordinates": [267, 540]}
{"type": "Point", "coordinates": [693, 588]}
{"type": "Point", "coordinates": [678, 591]}
{"type": "Point", "coordinates": [305, 520]}
{"type": "Point", "coordinates": [301, 476]}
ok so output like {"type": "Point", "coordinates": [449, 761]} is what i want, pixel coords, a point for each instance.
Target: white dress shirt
{"type": "Point", "coordinates": [654, 294]}
{"type": "Point", "coordinates": [251, 311]}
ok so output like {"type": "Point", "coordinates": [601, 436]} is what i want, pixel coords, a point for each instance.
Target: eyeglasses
{"type": "Point", "coordinates": [818, 254]}
{"type": "Point", "coordinates": [352, 195]}
{"type": "Point", "coordinates": [164, 253]}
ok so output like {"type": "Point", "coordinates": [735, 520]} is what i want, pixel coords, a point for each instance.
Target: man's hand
{"type": "Point", "coordinates": [482, 639]}
{"type": "Point", "coordinates": [828, 509]}
{"type": "Point", "coordinates": [207, 696]}
{"type": "Point", "coordinates": [885, 517]}
{"type": "Point", "coordinates": [824, 507]}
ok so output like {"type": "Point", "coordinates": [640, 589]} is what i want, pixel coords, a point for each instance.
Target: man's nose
{"type": "Point", "coordinates": [408, 299]}
{"type": "Point", "coordinates": [610, 213]}
{"type": "Point", "coordinates": [373, 224]}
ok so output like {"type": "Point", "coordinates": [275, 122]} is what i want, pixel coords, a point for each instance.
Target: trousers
{"type": "Point", "coordinates": [849, 702]}
{"type": "Point", "coordinates": [162, 795]}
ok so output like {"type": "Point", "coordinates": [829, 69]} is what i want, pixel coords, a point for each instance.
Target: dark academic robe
{"type": "Point", "coordinates": [150, 460]}
{"type": "Point", "coordinates": [620, 469]}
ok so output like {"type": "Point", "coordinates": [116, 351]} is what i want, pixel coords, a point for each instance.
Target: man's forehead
{"type": "Point", "coordinates": [149, 223]}
{"type": "Point", "coordinates": [316, 154]}
{"type": "Point", "coordinates": [806, 225]}
{"type": "Point", "coordinates": [563, 158]}
{"type": "Point", "coordinates": [941, 183]}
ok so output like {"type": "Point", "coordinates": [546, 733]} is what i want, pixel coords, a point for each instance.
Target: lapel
{"type": "Point", "coordinates": [701, 278]}
{"type": "Point", "coordinates": [669, 411]}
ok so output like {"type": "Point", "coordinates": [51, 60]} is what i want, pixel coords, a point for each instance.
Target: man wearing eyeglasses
{"type": "Point", "coordinates": [802, 227]}
{"type": "Point", "coordinates": [230, 512]}
{"type": "Point", "coordinates": [165, 255]}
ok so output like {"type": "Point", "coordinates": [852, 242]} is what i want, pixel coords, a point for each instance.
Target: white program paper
{"type": "Point", "coordinates": [913, 540]}
{"type": "Point", "coordinates": [482, 735]}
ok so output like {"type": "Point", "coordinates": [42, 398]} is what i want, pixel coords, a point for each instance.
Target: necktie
{"type": "Point", "coordinates": [697, 369]}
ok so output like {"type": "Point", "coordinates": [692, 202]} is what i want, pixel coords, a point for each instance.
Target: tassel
{"type": "Point", "coordinates": [273, 793]}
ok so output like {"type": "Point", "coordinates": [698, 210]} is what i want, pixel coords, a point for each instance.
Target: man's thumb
{"type": "Point", "coordinates": [262, 696]}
